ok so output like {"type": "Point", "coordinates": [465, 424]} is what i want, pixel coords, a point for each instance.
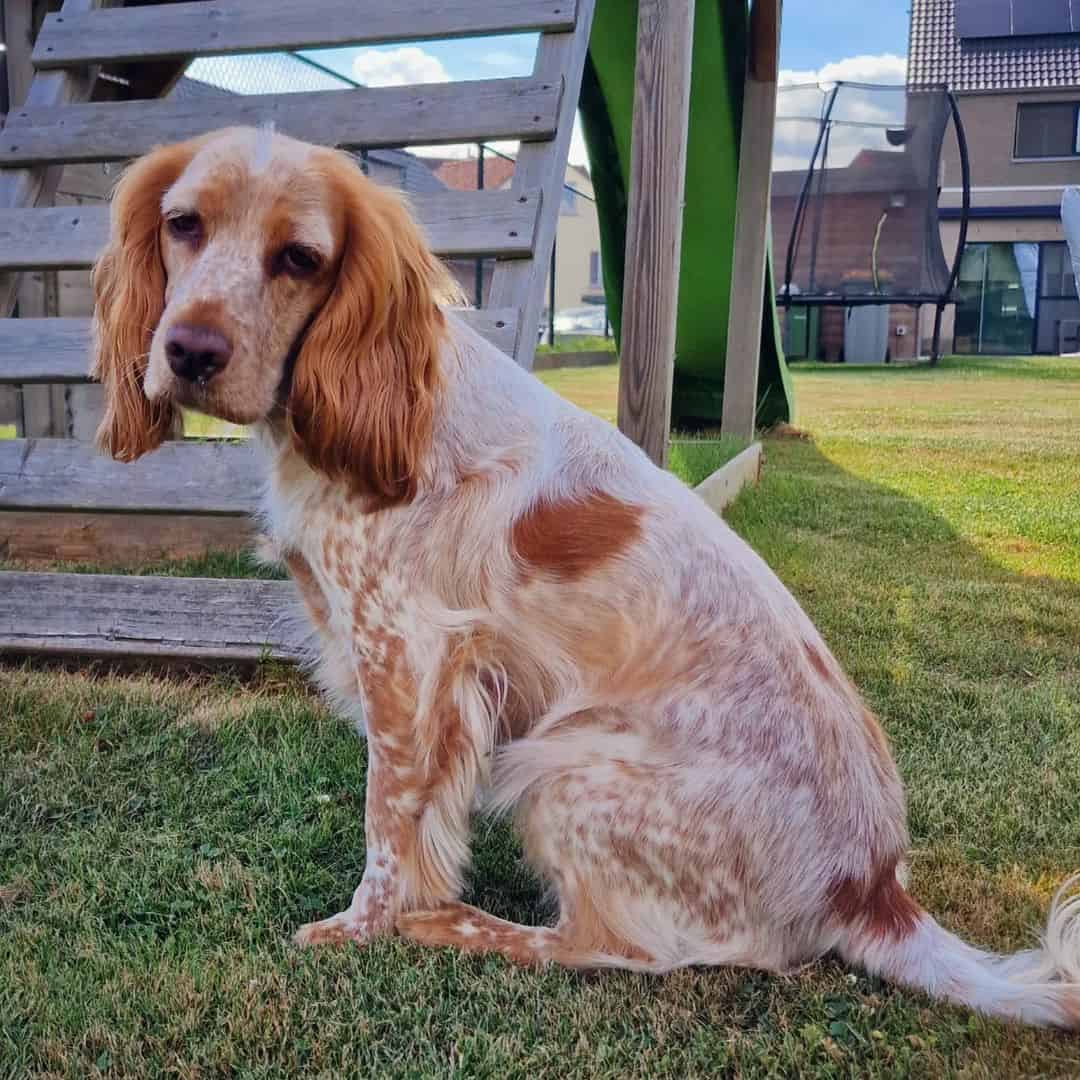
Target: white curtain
{"type": "Point", "coordinates": [1027, 263]}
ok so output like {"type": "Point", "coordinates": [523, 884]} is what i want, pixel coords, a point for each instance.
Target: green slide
{"type": "Point", "coordinates": [607, 101]}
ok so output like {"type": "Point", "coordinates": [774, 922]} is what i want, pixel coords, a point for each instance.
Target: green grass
{"type": "Point", "coordinates": [214, 564]}
{"type": "Point", "coordinates": [578, 344]}
{"type": "Point", "coordinates": [591, 388]}
{"type": "Point", "coordinates": [694, 459]}
{"type": "Point", "coordinates": [159, 839]}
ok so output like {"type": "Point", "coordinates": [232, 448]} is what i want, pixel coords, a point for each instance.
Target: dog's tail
{"type": "Point", "coordinates": [889, 935]}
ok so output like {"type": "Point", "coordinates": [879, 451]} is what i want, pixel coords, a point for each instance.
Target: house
{"type": "Point", "coordinates": [577, 241]}
{"type": "Point", "coordinates": [1014, 67]}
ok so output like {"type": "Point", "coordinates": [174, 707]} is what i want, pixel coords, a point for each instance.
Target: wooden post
{"type": "Point", "coordinates": [41, 410]}
{"type": "Point", "coordinates": [747, 306]}
{"type": "Point", "coordinates": [665, 36]}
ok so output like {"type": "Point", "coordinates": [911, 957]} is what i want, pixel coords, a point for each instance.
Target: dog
{"type": "Point", "coordinates": [514, 601]}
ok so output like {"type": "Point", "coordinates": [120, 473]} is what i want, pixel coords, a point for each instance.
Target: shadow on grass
{"type": "Point", "coordinates": [972, 667]}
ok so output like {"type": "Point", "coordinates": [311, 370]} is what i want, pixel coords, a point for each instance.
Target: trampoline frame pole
{"type": "Point", "coordinates": [965, 213]}
{"type": "Point", "coordinates": [804, 194]}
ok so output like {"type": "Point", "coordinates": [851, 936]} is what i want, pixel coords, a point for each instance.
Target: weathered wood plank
{"type": "Point", "coordinates": [180, 477]}
{"type": "Point", "coordinates": [747, 304]}
{"type": "Point", "coordinates": [542, 166]}
{"type": "Point", "coordinates": [57, 350]}
{"type": "Point", "coordinates": [42, 538]}
{"type": "Point", "coordinates": [113, 616]}
{"type": "Point", "coordinates": [24, 187]}
{"type": "Point", "coordinates": [654, 226]}
{"type": "Point", "coordinates": [720, 488]}
{"type": "Point", "coordinates": [216, 27]}
{"type": "Point", "coordinates": [44, 350]}
{"type": "Point", "coordinates": [458, 224]}
{"type": "Point", "coordinates": [388, 116]}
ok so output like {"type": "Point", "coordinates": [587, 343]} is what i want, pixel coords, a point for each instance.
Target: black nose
{"type": "Point", "coordinates": [196, 353]}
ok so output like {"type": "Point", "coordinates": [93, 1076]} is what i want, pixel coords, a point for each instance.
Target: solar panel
{"type": "Point", "coordinates": [1041, 17]}
{"type": "Point", "coordinates": [985, 18]}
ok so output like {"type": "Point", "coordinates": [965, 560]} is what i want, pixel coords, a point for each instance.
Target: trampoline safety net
{"type": "Point", "coordinates": [855, 194]}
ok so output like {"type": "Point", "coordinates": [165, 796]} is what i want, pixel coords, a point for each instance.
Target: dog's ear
{"type": "Point", "coordinates": [129, 298]}
{"type": "Point", "coordinates": [363, 387]}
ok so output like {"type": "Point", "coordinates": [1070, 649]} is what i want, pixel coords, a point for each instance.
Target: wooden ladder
{"type": "Point", "coordinates": [200, 619]}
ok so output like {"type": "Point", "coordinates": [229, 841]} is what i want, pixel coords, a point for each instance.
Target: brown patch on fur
{"type": "Point", "coordinates": [129, 298]}
{"type": "Point", "coordinates": [879, 741]}
{"type": "Point", "coordinates": [819, 663]}
{"type": "Point", "coordinates": [310, 591]}
{"type": "Point", "coordinates": [570, 537]}
{"type": "Point", "coordinates": [879, 902]}
{"type": "Point", "coordinates": [208, 311]}
{"type": "Point", "coordinates": [217, 192]}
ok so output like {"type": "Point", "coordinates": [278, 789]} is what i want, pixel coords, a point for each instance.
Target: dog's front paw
{"type": "Point", "coordinates": [342, 929]}
{"type": "Point", "coordinates": [332, 931]}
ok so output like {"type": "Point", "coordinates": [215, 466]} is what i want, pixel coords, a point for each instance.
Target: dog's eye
{"type": "Point", "coordinates": [184, 226]}
{"type": "Point", "coordinates": [298, 261]}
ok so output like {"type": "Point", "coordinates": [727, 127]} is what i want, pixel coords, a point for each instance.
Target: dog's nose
{"type": "Point", "coordinates": [196, 353]}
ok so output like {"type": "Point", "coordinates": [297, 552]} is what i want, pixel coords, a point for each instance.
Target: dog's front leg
{"type": "Point", "coordinates": [422, 777]}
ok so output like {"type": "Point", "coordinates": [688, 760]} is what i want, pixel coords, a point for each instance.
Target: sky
{"type": "Point", "coordinates": [859, 40]}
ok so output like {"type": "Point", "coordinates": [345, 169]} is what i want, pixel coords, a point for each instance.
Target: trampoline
{"type": "Point", "coordinates": [856, 178]}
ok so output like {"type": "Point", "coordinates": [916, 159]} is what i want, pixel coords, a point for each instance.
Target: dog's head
{"type": "Point", "coordinates": [249, 275]}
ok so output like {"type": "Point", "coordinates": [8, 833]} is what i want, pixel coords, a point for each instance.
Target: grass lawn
{"type": "Point", "coordinates": [160, 838]}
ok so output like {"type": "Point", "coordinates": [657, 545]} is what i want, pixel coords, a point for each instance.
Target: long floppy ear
{"type": "Point", "coordinates": [362, 394]}
{"type": "Point", "coordinates": [129, 298]}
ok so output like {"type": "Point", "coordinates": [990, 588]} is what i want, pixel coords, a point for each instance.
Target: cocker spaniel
{"type": "Point", "coordinates": [517, 604]}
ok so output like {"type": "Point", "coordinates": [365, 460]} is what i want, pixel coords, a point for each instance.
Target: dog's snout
{"type": "Point", "coordinates": [196, 353]}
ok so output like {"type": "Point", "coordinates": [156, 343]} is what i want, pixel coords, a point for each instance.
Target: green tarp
{"type": "Point", "coordinates": [607, 100]}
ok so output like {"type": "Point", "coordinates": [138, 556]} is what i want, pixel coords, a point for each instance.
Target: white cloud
{"type": "Point", "coordinates": [861, 116]}
{"type": "Point", "coordinates": [500, 58]}
{"type": "Point", "coordinates": [398, 67]}
{"type": "Point", "coordinates": [885, 68]}
{"type": "Point", "coordinates": [578, 155]}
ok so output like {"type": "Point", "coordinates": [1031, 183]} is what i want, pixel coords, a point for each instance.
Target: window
{"type": "Point", "coordinates": [1013, 298]}
{"type": "Point", "coordinates": [1048, 129]}
{"type": "Point", "coordinates": [594, 268]}
{"type": "Point", "coordinates": [1057, 281]}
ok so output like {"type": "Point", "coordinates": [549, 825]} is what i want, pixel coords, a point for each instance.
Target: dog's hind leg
{"type": "Point", "coordinates": [472, 930]}
{"type": "Point", "coordinates": [577, 941]}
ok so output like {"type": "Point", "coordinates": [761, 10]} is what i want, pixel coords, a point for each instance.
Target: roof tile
{"type": "Point", "coordinates": [937, 55]}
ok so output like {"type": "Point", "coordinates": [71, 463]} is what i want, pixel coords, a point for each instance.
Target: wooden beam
{"type": "Point", "coordinates": [458, 224]}
{"type": "Point", "coordinates": [665, 33]}
{"type": "Point", "coordinates": [558, 56]}
{"type": "Point", "coordinates": [386, 116]}
{"type": "Point", "coordinates": [215, 27]}
{"type": "Point", "coordinates": [180, 477]}
{"type": "Point", "coordinates": [25, 187]}
{"type": "Point", "coordinates": [112, 616]}
{"type": "Point", "coordinates": [747, 297]}
{"type": "Point", "coordinates": [58, 350]}
{"type": "Point", "coordinates": [18, 37]}
{"type": "Point", "coordinates": [40, 538]}
{"type": "Point", "coordinates": [41, 410]}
